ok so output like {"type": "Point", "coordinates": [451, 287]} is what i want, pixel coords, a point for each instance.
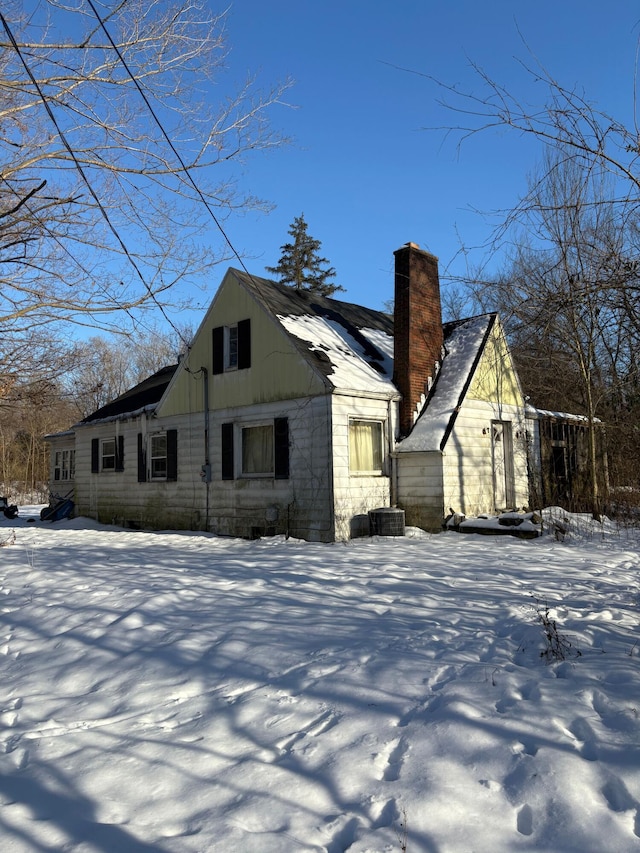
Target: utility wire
{"type": "Point", "coordinates": [185, 169]}
{"type": "Point", "coordinates": [82, 173]}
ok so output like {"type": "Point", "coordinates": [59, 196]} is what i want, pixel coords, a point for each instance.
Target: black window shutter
{"type": "Point", "coordinates": [142, 460]}
{"type": "Point", "coordinates": [172, 454]}
{"type": "Point", "coordinates": [226, 455]}
{"type": "Point", "coordinates": [281, 448]}
{"type": "Point", "coordinates": [95, 455]}
{"type": "Point", "coordinates": [217, 337]}
{"type": "Point", "coordinates": [120, 453]}
{"type": "Point", "coordinates": [244, 344]}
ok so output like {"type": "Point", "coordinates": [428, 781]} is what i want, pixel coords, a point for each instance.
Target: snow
{"type": "Point", "coordinates": [462, 347]}
{"type": "Point", "coordinates": [169, 692]}
{"type": "Point", "coordinates": [350, 370]}
{"type": "Point", "coordinates": [534, 413]}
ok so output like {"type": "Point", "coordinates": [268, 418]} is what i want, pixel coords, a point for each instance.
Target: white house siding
{"type": "Point", "coordinates": [299, 506]}
{"type": "Point", "coordinates": [420, 488]}
{"type": "Point", "coordinates": [354, 494]}
{"type": "Point", "coordinates": [117, 496]}
{"type": "Point", "coordinates": [468, 484]}
{"type": "Point", "coordinates": [61, 488]}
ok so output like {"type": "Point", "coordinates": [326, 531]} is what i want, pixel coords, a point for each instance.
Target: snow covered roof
{"type": "Point", "coordinates": [463, 343]}
{"type": "Point", "coordinates": [538, 414]}
{"type": "Point", "coordinates": [350, 344]}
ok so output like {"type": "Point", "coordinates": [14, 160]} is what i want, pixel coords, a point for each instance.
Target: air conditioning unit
{"type": "Point", "coordinates": [386, 521]}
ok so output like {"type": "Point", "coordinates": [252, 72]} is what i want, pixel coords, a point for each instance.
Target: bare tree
{"type": "Point", "coordinates": [567, 120]}
{"type": "Point", "coordinates": [103, 368]}
{"type": "Point", "coordinates": [572, 280]}
{"type": "Point", "coordinates": [562, 294]}
{"type": "Point", "coordinates": [117, 153]}
{"type": "Point", "coordinates": [31, 410]}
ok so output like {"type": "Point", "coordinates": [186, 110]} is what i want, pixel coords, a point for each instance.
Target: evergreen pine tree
{"type": "Point", "coordinates": [301, 266]}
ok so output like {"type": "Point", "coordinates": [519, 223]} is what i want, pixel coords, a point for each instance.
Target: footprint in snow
{"type": "Point", "coordinates": [619, 799]}
{"type": "Point", "coordinates": [524, 820]}
{"type": "Point", "coordinates": [323, 723]}
{"type": "Point", "coordinates": [345, 837]}
{"type": "Point", "coordinates": [581, 730]}
{"type": "Point", "coordinates": [395, 761]}
{"type": "Point", "coordinates": [384, 814]}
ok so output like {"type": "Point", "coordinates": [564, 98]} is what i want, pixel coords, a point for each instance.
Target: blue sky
{"type": "Point", "coordinates": [362, 166]}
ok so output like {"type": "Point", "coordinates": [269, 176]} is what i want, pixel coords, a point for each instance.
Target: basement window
{"type": "Point", "coordinates": [365, 447]}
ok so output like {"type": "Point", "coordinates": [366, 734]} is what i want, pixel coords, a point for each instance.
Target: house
{"type": "Point", "coordinates": [294, 413]}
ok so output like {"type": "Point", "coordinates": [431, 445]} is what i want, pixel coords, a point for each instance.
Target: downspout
{"type": "Point", "coordinates": [393, 461]}
{"type": "Point", "coordinates": [332, 519]}
{"type": "Point", "coordinates": [207, 461]}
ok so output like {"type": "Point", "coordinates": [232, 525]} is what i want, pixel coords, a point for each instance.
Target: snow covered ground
{"type": "Point", "coordinates": [169, 692]}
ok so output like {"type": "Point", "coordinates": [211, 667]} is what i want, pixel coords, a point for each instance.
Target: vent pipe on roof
{"type": "Point", "coordinates": [418, 337]}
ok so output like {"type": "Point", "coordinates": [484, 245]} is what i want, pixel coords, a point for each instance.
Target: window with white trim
{"type": "Point", "coordinates": [365, 447]}
{"type": "Point", "coordinates": [231, 347]}
{"type": "Point", "coordinates": [158, 456]}
{"type": "Point", "coordinates": [64, 465]}
{"type": "Point", "coordinates": [108, 454]}
{"type": "Point", "coordinates": [257, 450]}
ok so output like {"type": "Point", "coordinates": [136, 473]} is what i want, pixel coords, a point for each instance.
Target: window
{"type": "Point", "coordinates": [64, 466]}
{"type": "Point", "coordinates": [107, 454]}
{"type": "Point", "coordinates": [263, 450]}
{"type": "Point", "coordinates": [365, 447]}
{"type": "Point", "coordinates": [257, 450]}
{"type": "Point", "coordinates": [232, 347]}
{"type": "Point", "coordinates": [108, 451]}
{"type": "Point", "coordinates": [158, 457]}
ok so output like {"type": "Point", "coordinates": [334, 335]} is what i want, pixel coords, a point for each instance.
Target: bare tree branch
{"type": "Point", "coordinates": [97, 215]}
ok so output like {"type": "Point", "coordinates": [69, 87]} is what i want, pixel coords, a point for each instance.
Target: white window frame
{"type": "Point", "coordinates": [367, 472]}
{"type": "Point", "coordinates": [241, 460]}
{"type": "Point", "coordinates": [105, 455]}
{"type": "Point", "coordinates": [156, 457]}
{"type": "Point", "coordinates": [231, 347]}
{"type": "Point", "coordinates": [64, 465]}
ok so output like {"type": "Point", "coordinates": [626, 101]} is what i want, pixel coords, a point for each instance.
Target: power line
{"type": "Point", "coordinates": [185, 169]}
{"type": "Point", "coordinates": [82, 173]}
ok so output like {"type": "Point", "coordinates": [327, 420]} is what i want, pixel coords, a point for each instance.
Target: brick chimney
{"type": "Point", "coordinates": [417, 329]}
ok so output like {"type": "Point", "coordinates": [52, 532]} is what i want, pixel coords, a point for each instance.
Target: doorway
{"type": "Point", "coordinates": [504, 491]}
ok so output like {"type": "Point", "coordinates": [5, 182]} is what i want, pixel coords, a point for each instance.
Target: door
{"type": "Point", "coordinates": [503, 477]}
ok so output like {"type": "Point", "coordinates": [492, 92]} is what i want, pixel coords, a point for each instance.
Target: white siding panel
{"type": "Point", "coordinates": [117, 496]}
{"type": "Point", "coordinates": [468, 485]}
{"type": "Point", "coordinates": [301, 504]}
{"type": "Point", "coordinates": [355, 495]}
{"type": "Point", "coordinates": [420, 490]}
